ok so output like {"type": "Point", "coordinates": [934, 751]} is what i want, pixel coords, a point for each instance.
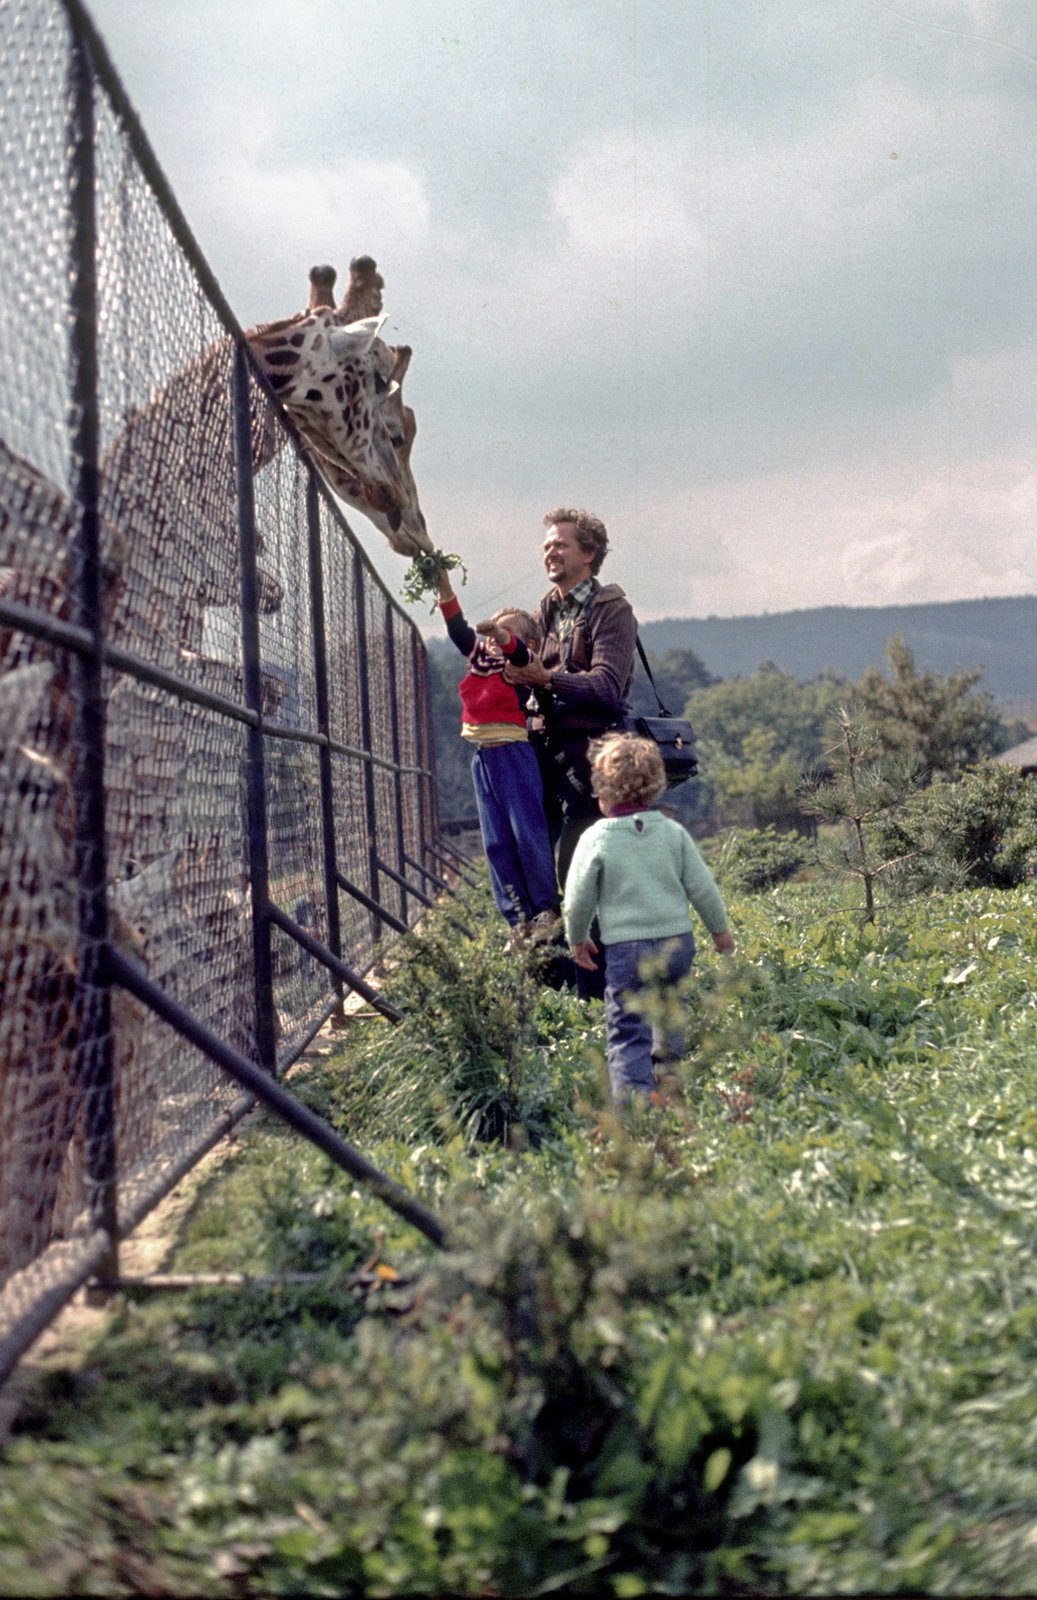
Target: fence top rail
{"type": "Point", "coordinates": [85, 33]}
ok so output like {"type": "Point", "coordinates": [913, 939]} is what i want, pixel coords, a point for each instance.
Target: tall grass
{"type": "Point", "coordinates": [774, 1335]}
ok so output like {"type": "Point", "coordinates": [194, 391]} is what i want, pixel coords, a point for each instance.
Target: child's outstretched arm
{"type": "Point", "coordinates": [494, 630]}
{"type": "Point", "coordinates": [458, 627]}
{"type": "Point", "coordinates": [514, 648]}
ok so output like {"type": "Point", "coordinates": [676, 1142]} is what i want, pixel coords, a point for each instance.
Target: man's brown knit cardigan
{"type": "Point", "coordinates": [589, 693]}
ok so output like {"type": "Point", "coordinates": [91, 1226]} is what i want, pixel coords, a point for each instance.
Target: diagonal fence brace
{"type": "Point", "coordinates": [371, 904]}
{"type": "Point", "coordinates": [321, 953]}
{"type": "Point", "coordinates": [430, 877]}
{"type": "Point", "coordinates": [455, 864]}
{"type": "Point", "coordinates": [459, 926]}
{"type": "Point", "coordinates": [120, 969]}
{"type": "Point", "coordinates": [404, 883]}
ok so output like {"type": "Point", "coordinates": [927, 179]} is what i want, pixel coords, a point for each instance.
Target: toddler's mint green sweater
{"type": "Point", "coordinates": [637, 873]}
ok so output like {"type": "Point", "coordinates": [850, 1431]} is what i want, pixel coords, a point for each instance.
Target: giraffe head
{"type": "Point", "coordinates": [341, 384]}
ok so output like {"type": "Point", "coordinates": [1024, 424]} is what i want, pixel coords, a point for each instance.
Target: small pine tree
{"type": "Point", "coordinates": [865, 789]}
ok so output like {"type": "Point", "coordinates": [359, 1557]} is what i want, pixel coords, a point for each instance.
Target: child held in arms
{"type": "Point", "coordinates": [637, 870]}
{"type": "Point", "coordinates": [509, 792]}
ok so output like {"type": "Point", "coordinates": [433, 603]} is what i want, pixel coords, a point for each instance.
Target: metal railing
{"type": "Point", "coordinates": [216, 770]}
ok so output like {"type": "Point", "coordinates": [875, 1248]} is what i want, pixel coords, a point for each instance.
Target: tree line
{"type": "Point", "coordinates": [765, 736]}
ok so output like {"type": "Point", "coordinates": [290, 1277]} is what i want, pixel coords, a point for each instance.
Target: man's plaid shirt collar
{"type": "Point", "coordinates": [564, 611]}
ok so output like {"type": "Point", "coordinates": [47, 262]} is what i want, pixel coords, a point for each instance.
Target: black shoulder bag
{"type": "Point", "coordinates": [674, 737]}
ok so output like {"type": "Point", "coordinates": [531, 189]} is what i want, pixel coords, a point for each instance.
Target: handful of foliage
{"type": "Point", "coordinates": [422, 576]}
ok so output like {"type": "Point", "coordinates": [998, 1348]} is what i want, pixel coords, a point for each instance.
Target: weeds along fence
{"type": "Point", "coordinates": [217, 785]}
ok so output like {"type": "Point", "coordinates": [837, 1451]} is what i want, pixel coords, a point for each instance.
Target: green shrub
{"type": "Point", "coordinates": [754, 859]}
{"type": "Point", "coordinates": [978, 832]}
{"type": "Point", "coordinates": [476, 1053]}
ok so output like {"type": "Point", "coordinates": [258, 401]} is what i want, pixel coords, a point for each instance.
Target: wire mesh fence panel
{"type": "Point", "coordinates": [350, 779]}
{"type": "Point", "coordinates": [407, 663]}
{"type": "Point", "coordinates": [167, 484]}
{"type": "Point", "coordinates": [39, 916]}
{"type": "Point", "coordinates": [34, 253]}
{"type": "Point", "coordinates": [379, 690]}
{"type": "Point", "coordinates": [302, 985]}
{"type": "Point", "coordinates": [180, 905]}
{"type": "Point", "coordinates": [174, 776]}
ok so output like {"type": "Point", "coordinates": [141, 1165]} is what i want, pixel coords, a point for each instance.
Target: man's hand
{"type": "Point", "coordinates": [534, 675]}
{"type": "Point", "coordinates": [494, 630]}
{"type": "Point", "coordinates": [724, 942]}
{"type": "Point", "coordinates": [583, 953]}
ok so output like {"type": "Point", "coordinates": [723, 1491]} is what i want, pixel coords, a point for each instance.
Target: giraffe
{"type": "Point", "coordinates": [168, 480]}
{"type": "Point", "coordinates": [342, 386]}
{"type": "Point", "coordinates": [167, 499]}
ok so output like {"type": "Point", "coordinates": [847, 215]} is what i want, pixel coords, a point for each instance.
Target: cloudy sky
{"type": "Point", "coordinates": [753, 281]}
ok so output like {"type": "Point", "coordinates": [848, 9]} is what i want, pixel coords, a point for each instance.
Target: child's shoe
{"type": "Point", "coordinates": [543, 928]}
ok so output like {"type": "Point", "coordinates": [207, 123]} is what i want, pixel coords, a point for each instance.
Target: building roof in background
{"type": "Point", "coordinates": [1021, 755]}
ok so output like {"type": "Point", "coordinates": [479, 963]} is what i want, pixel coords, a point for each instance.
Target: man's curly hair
{"type": "Point", "coordinates": [591, 533]}
{"type": "Point", "coordinates": [626, 770]}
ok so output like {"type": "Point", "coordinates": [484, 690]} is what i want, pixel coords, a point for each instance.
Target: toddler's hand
{"type": "Point", "coordinates": [583, 953]}
{"type": "Point", "coordinates": [493, 630]}
{"type": "Point", "coordinates": [724, 942]}
{"type": "Point", "coordinates": [534, 675]}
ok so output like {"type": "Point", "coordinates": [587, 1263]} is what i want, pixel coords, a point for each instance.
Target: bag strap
{"type": "Point", "coordinates": [640, 650]}
{"type": "Point", "coordinates": [644, 662]}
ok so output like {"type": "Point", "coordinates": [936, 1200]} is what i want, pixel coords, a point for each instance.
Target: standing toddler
{"type": "Point", "coordinates": [637, 870]}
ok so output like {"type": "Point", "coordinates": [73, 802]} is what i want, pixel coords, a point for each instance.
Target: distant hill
{"type": "Point", "coordinates": [955, 635]}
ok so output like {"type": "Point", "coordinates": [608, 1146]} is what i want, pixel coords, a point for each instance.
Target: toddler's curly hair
{"type": "Point", "coordinates": [626, 770]}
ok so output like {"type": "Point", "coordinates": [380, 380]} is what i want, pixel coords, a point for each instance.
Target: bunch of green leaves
{"type": "Point", "coordinates": [939, 724]}
{"type": "Point", "coordinates": [422, 576]}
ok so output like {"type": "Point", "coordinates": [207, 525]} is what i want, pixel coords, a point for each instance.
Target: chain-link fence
{"type": "Point", "coordinates": [216, 752]}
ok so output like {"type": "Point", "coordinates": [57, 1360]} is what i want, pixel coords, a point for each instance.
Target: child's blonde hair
{"type": "Point", "coordinates": [522, 625]}
{"type": "Point", "coordinates": [626, 770]}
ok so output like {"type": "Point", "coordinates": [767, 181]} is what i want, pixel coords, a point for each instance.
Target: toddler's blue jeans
{"type": "Point", "coordinates": [631, 1038]}
{"type": "Point", "coordinates": [509, 795]}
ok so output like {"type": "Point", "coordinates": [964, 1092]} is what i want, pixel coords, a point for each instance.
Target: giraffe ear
{"type": "Point", "coordinates": [356, 338]}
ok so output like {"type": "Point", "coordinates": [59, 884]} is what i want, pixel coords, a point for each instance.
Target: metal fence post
{"type": "Point", "coordinates": [258, 848]}
{"type": "Point", "coordinates": [94, 1066]}
{"type": "Point", "coordinates": [364, 696]}
{"type": "Point", "coordinates": [423, 713]}
{"type": "Point", "coordinates": [397, 777]}
{"type": "Point", "coordinates": [320, 671]}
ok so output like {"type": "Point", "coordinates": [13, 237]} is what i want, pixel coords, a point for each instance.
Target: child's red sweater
{"type": "Point", "coordinates": [485, 697]}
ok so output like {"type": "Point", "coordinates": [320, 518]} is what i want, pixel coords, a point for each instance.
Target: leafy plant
{"type": "Point", "coordinates": [470, 1057]}
{"type": "Point", "coordinates": [753, 859]}
{"type": "Point", "coordinates": [422, 576]}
